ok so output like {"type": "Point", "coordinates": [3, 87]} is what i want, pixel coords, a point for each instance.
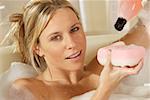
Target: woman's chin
{"type": "Point", "coordinates": [75, 64]}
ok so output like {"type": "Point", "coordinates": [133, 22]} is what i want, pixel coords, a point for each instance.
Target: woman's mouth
{"type": "Point", "coordinates": [75, 55]}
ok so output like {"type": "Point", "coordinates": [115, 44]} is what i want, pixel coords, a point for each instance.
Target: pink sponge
{"type": "Point", "coordinates": [121, 54]}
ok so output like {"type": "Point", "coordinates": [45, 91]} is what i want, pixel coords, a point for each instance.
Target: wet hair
{"type": "Point", "coordinates": [27, 28]}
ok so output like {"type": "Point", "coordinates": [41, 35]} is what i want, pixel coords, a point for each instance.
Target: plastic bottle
{"type": "Point", "coordinates": [127, 10]}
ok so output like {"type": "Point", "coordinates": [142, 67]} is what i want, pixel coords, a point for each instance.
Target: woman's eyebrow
{"type": "Point", "coordinates": [75, 24]}
{"type": "Point", "coordinates": [51, 34]}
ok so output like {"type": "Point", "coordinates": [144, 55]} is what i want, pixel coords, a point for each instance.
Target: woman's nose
{"type": "Point", "coordinates": [70, 42]}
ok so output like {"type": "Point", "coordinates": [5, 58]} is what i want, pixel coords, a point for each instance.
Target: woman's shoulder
{"type": "Point", "coordinates": [28, 89]}
{"type": "Point", "coordinates": [31, 84]}
{"type": "Point", "coordinates": [20, 90]}
{"type": "Point", "coordinates": [25, 83]}
{"type": "Point", "coordinates": [22, 82]}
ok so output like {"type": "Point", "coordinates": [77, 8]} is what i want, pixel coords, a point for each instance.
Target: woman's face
{"type": "Point", "coordinates": [63, 41]}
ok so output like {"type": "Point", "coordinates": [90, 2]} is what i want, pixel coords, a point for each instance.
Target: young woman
{"type": "Point", "coordinates": [51, 39]}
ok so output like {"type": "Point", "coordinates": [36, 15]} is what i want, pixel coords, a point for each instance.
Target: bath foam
{"type": "Point", "coordinates": [121, 54]}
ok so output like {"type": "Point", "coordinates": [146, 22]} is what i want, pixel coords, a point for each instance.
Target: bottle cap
{"type": "Point", "coordinates": [120, 23]}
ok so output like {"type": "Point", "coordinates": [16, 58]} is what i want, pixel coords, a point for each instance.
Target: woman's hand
{"type": "Point", "coordinates": [111, 76]}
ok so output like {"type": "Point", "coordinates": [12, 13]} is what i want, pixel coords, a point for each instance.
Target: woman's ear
{"type": "Point", "coordinates": [38, 50]}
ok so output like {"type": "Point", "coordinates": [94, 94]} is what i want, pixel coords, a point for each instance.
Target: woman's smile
{"type": "Point", "coordinates": [74, 56]}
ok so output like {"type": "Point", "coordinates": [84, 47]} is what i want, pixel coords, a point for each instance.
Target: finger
{"type": "Point", "coordinates": [108, 64]}
{"type": "Point", "coordinates": [125, 71]}
{"type": "Point", "coordinates": [135, 70]}
{"type": "Point", "coordinates": [122, 70]}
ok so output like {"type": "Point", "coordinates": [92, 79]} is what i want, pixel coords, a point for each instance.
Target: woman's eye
{"type": "Point", "coordinates": [75, 29]}
{"type": "Point", "coordinates": [55, 38]}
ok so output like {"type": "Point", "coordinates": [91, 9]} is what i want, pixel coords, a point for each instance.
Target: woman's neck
{"type": "Point", "coordinates": [61, 76]}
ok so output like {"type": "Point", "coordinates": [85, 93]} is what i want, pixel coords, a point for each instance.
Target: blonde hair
{"type": "Point", "coordinates": [27, 28]}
